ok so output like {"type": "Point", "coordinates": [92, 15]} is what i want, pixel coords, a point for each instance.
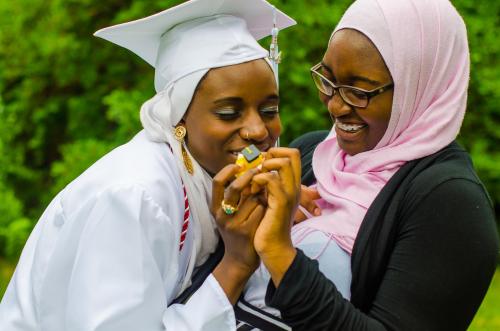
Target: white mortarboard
{"type": "Point", "coordinates": [198, 35]}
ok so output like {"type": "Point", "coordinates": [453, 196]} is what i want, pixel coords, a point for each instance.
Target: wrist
{"type": "Point", "coordinates": [271, 248]}
{"type": "Point", "coordinates": [278, 261]}
{"type": "Point", "coordinates": [275, 253]}
{"type": "Point", "coordinates": [237, 269]}
{"type": "Point", "coordinates": [232, 277]}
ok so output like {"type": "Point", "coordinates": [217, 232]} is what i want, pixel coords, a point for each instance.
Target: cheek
{"type": "Point", "coordinates": [200, 140]}
{"type": "Point", "coordinates": [210, 138]}
{"type": "Point", "coordinates": [205, 143]}
{"type": "Point", "coordinates": [323, 98]}
{"type": "Point", "coordinates": [377, 131]}
{"type": "Point", "coordinates": [274, 127]}
{"type": "Point", "coordinates": [378, 120]}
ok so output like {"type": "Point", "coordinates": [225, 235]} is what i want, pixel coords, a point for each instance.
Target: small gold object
{"type": "Point", "coordinates": [180, 133]}
{"type": "Point", "coordinates": [227, 208]}
{"type": "Point", "coordinates": [250, 157]}
{"type": "Point", "coordinates": [187, 160]}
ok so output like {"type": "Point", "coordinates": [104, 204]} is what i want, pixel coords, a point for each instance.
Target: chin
{"type": "Point", "coordinates": [351, 149]}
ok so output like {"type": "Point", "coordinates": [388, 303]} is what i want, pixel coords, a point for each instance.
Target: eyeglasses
{"type": "Point", "coordinates": [353, 96]}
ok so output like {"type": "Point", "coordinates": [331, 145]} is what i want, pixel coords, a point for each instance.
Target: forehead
{"type": "Point", "coordinates": [351, 52]}
{"type": "Point", "coordinates": [240, 80]}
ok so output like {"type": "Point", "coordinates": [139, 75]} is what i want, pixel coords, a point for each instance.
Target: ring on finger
{"type": "Point", "coordinates": [227, 208]}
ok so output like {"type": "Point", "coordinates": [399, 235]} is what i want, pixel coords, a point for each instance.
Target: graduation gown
{"type": "Point", "coordinates": [105, 254]}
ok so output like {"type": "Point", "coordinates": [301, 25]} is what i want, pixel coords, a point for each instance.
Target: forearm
{"type": "Point", "coordinates": [232, 277]}
{"type": "Point", "coordinates": [309, 301]}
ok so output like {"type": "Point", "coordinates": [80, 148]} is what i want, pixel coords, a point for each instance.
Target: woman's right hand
{"type": "Point", "coordinates": [237, 230]}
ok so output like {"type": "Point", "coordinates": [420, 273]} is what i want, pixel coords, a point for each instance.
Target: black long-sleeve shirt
{"type": "Point", "coordinates": [423, 258]}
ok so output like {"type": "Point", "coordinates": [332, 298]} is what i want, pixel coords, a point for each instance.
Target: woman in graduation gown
{"type": "Point", "coordinates": [399, 196]}
{"type": "Point", "coordinates": [115, 248]}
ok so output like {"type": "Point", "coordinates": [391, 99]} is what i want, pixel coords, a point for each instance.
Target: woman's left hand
{"type": "Point", "coordinates": [307, 206]}
{"type": "Point", "coordinates": [281, 179]}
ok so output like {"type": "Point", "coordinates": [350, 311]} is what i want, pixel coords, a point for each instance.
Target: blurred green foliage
{"type": "Point", "coordinates": [488, 315]}
{"type": "Point", "coordinates": [66, 98]}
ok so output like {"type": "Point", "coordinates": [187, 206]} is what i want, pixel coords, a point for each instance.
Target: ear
{"type": "Point", "coordinates": [182, 123]}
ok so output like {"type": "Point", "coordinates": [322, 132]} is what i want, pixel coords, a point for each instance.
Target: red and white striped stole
{"type": "Point", "coordinates": [185, 223]}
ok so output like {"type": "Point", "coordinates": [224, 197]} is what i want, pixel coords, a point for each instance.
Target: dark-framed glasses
{"type": "Point", "coordinates": [353, 96]}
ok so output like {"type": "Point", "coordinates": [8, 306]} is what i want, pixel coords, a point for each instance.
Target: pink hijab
{"type": "Point", "coordinates": [424, 44]}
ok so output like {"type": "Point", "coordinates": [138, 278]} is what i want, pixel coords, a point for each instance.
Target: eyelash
{"type": "Point", "coordinates": [270, 111]}
{"type": "Point", "coordinates": [231, 114]}
{"type": "Point", "coordinates": [330, 77]}
{"type": "Point", "coordinates": [227, 114]}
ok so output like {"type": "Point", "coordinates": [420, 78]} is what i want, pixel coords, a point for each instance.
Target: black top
{"type": "Point", "coordinates": [423, 258]}
{"type": "Point", "coordinates": [306, 144]}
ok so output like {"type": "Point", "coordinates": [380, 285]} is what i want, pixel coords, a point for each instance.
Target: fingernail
{"type": "Point", "coordinates": [317, 211]}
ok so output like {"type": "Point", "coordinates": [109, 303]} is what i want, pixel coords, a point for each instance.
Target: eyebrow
{"type": "Point", "coordinates": [273, 97]}
{"type": "Point", "coordinates": [366, 80]}
{"type": "Point", "coordinates": [354, 78]}
{"type": "Point", "coordinates": [324, 66]}
{"type": "Point", "coordinates": [223, 101]}
{"type": "Point", "coordinates": [228, 100]}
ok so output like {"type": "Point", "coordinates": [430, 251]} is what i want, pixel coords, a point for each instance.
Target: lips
{"type": "Point", "coordinates": [349, 132]}
{"type": "Point", "coordinates": [349, 127]}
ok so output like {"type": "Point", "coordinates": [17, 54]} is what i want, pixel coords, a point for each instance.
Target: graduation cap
{"type": "Point", "coordinates": [198, 35]}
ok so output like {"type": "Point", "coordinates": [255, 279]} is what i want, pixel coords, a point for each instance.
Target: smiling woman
{"type": "Point", "coordinates": [354, 64]}
{"type": "Point", "coordinates": [228, 112]}
{"type": "Point", "coordinates": [117, 246]}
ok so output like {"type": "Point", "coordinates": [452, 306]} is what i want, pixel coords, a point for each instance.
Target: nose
{"type": "Point", "coordinates": [337, 107]}
{"type": "Point", "coordinates": [254, 127]}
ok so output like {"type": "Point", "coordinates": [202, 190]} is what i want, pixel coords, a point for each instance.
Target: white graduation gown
{"type": "Point", "coordinates": [105, 256]}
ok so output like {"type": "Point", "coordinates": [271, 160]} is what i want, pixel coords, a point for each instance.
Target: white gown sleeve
{"type": "Point", "coordinates": [208, 309]}
{"type": "Point", "coordinates": [125, 272]}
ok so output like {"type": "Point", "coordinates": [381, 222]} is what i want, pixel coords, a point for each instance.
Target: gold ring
{"type": "Point", "coordinates": [227, 208]}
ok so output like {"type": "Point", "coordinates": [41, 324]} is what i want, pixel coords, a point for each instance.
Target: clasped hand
{"type": "Point", "coordinates": [266, 201]}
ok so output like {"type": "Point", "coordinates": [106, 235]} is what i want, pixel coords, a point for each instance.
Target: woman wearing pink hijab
{"type": "Point", "coordinates": [398, 195]}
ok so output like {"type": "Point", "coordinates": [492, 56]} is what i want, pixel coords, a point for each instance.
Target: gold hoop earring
{"type": "Point", "coordinates": [179, 134]}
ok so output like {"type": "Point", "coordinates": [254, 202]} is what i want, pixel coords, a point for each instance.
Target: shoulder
{"type": "Point", "coordinates": [140, 169]}
{"type": "Point", "coordinates": [446, 202]}
{"type": "Point", "coordinates": [451, 170]}
{"type": "Point", "coordinates": [121, 204]}
{"type": "Point", "coordinates": [446, 191]}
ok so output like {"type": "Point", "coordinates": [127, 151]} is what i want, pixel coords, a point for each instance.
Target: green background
{"type": "Point", "coordinates": [67, 98]}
